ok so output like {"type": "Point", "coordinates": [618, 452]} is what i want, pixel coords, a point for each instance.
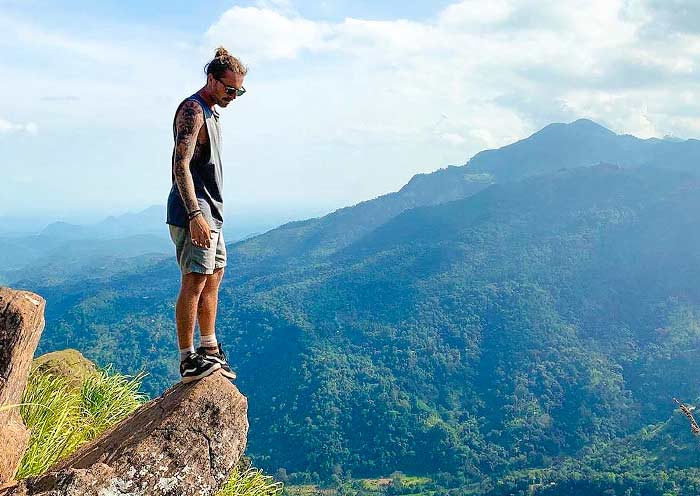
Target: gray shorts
{"type": "Point", "coordinates": [198, 259]}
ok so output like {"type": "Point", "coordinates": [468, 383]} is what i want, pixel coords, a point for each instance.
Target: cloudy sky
{"type": "Point", "coordinates": [346, 99]}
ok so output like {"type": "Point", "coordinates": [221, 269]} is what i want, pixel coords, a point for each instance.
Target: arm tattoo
{"type": "Point", "coordinates": [188, 122]}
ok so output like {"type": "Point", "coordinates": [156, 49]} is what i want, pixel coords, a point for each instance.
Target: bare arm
{"type": "Point", "coordinates": [188, 122]}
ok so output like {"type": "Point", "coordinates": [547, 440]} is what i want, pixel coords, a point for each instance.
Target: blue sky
{"type": "Point", "coordinates": [193, 18]}
{"type": "Point", "coordinates": [346, 101]}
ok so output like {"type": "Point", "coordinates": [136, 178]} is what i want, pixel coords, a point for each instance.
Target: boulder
{"type": "Point", "coordinates": [68, 364]}
{"type": "Point", "coordinates": [21, 324]}
{"type": "Point", "coordinates": [184, 443]}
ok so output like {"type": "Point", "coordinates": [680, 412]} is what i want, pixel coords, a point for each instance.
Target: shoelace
{"type": "Point", "coordinates": [222, 354]}
{"type": "Point", "coordinates": [198, 359]}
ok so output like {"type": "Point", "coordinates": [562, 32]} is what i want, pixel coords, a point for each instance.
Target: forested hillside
{"type": "Point", "coordinates": [529, 325]}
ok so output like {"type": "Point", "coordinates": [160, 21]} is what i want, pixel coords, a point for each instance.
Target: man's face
{"type": "Point", "coordinates": [231, 79]}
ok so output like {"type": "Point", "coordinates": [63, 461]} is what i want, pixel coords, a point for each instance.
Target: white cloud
{"type": "Point", "coordinates": [89, 78]}
{"type": "Point", "coordinates": [7, 127]}
{"type": "Point", "coordinates": [282, 6]}
{"type": "Point", "coordinates": [576, 57]}
{"type": "Point", "coordinates": [470, 13]}
{"type": "Point", "coordinates": [263, 33]}
{"type": "Point", "coordinates": [453, 138]}
{"type": "Point", "coordinates": [340, 111]}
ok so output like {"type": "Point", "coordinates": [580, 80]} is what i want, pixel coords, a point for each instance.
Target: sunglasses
{"type": "Point", "coordinates": [230, 90]}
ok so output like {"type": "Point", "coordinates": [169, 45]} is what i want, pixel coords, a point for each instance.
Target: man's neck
{"type": "Point", "coordinates": [206, 96]}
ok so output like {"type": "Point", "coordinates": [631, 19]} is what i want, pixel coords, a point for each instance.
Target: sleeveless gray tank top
{"type": "Point", "coordinates": [207, 174]}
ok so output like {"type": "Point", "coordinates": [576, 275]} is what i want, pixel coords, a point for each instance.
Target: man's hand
{"type": "Point", "coordinates": [200, 232]}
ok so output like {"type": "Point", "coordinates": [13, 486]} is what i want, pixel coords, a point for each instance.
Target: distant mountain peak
{"type": "Point", "coordinates": [589, 124]}
{"type": "Point", "coordinates": [62, 228]}
{"type": "Point", "coordinates": [582, 143]}
{"type": "Point", "coordinates": [578, 126]}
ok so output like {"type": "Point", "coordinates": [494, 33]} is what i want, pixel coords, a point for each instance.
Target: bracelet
{"type": "Point", "coordinates": [193, 214]}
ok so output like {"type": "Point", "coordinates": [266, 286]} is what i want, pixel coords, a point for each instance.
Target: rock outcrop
{"type": "Point", "coordinates": [184, 443]}
{"type": "Point", "coordinates": [21, 324]}
{"type": "Point", "coordinates": [68, 364]}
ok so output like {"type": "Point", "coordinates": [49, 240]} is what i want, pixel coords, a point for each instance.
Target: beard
{"type": "Point", "coordinates": [223, 102]}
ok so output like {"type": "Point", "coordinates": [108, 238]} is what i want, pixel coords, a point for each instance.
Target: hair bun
{"type": "Point", "coordinates": [222, 62]}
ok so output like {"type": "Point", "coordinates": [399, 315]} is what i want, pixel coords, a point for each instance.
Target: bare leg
{"type": "Point", "coordinates": [206, 312]}
{"type": "Point", "coordinates": [186, 307]}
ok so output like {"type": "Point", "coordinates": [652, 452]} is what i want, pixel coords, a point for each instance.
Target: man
{"type": "Point", "coordinates": [195, 215]}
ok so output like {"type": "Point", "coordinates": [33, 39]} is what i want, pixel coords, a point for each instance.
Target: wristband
{"type": "Point", "coordinates": [193, 214]}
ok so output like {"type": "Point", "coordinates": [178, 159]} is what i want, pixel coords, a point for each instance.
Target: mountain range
{"type": "Point", "coordinates": [63, 251]}
{"type": "Point", "coordinates": [533, 311]}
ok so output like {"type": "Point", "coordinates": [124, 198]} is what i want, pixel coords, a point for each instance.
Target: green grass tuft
{"type": "Point", "coordinates": [250, 482]}
{"type": "Point", "coordinates": [61, 418]}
